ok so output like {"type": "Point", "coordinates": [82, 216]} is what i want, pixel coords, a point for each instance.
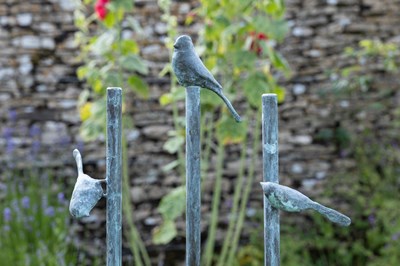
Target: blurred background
{"type": "Point", "coordinates": [332, 63]}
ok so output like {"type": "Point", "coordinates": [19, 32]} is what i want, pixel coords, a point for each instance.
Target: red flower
{"type": "Point", "coordinates": [101, 9]}
{"type": "Point", "coordinates": [255, 41]}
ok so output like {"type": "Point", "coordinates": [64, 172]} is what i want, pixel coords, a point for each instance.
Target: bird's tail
{"type": "Point", "coordinates": [332, 215]}
{"type": "Point", "coordinates": [229, 105]}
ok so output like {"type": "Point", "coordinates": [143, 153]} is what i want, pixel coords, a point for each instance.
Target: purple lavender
{"type": "Point", "coordinates": [12, 115]}
{"type": "Point", "coordinates": [7, 214]}
{"type": "Point", "coordinates": [80, 145]}
{"type": "Point", "coordinates": [49, 211]}
{"type": "Point", "coordinates": [7, 134]}
{"type": "Point", "coordinates": [35, 147]}
{"type": "Point", "coordinates": [396, 236]}
{"type": "Point", "coordinates": [3, 187]}
{"type": "Point", "coordinates": [34, 131]}
{"type": "Point", "coordinates": [65, 141]}
{"type": "Point", "coordinates": [25, 202]}
{"type": "Point", "coordinates": [61, 198]}
{"type": "Point", "coordinates": [372, 219]}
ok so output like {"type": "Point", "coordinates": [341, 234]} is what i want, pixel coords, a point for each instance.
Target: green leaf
{"type": "Point", "coordinates": [276, 29]}
{"type": "Point", "coordinates": [275, 8]}
{"type": "Point", "coordinates": [134, 24]}
{"type": "Point", "coordinates": [111, 79]}
{"type": "Point", "coordinates": [134, 63]}
{"type": "Point", "coordinates": [79, 19]}
{"type": "Point", "coordinates": [168, 167]}
{"type": "Point", "coordinates": [138, 86]}
{"type": "Point", "coordinates": [277, 60]}
{"type": "Point", "coordinates": [164, 233]}
{"type": "Point", "coordinates": [229, 132]}
{"type": "Point", "coordinates": [209, 99]}
{"type": "Point", "coordinates": [173, 204]}
{"type": "Point", "coordinates": [83, 97]}
{"type": "Point", "coordinates": [81, 72]}
{"type": "Point", "coordinates": [124, 4]}
{"type": "Point", "coordinates": [90, 130]}
{"type": "Point", "coordinates": [167, 69]}
{"type": "Point", "coordinates": [254, 87]}
{"type": "Point", "coordinates": [166, 99]}
{"type": "Point", "coordinates": [243, 59]}
{"type": "Point", "coordinates": [110, 20]}
{"type": "Point", "coordinates": [178, 93]}
{"type": "Point", "coordinates": [173, 144]}
{"type": "Point", "coordinates": [280, 93]}
{"type": "Point", "coordinates": [103, 44]}
{"type": "Point", "coordinates": [129, 46]}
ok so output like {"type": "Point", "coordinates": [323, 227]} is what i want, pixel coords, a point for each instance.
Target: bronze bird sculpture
{"type": "Point", "coordinates": [87, 191]}
{"type": "Point", "coordinates": [290, 200]}
{"type": "Point", "coordinates": [190, 71]}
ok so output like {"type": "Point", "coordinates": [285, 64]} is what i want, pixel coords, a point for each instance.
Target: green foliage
{"type": "Point", "coordinates": [237, 44]}
{"type": "Point", "coordinates": [370, 57]}
{"type": "Point", "coordinates": [34, 221]}
{"type": "Point", "coordinates": [171, 207]}
{"type": "Point", "coordinates": [339, 136]}
{"type": "Point", "coordinates": [372, 193]}
{"type": "Point", "coordinates": [109, 60]}
{"type": "Point", "coordinates": [369, 193]}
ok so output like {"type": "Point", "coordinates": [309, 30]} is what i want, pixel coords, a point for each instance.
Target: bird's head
{"type": "Point", "coordinates": [183, 42]}
{"type": "Point", "coordinates": [268, 187]}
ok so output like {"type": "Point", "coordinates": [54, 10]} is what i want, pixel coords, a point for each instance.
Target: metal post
{"type": "Point", "coordinates": [113, 177]}
{"type": "Point", "coordinates": [270, 174]}
{"type": "Point", "coordinates": [193, 202]}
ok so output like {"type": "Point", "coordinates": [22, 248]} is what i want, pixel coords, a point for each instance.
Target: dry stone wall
{"type": "Point", "coordinates": [39, 92]}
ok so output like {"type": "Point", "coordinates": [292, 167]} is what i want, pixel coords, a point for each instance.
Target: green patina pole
{"type": "Point", "coordinates": [193, 199]}
{"type": "Point", "coordinates": [270, 174]}
{"type": "Point", "coordinates": [278, 197]}
{"type": "Point", "coordinates": [113, 177]}
{"type": "Point", "coordinates": [191, 73]}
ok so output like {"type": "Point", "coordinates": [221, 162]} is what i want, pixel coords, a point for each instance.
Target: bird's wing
{"type": "Point", "coordinates": [208, 80]}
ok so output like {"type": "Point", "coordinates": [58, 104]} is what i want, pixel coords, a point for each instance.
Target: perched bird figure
{"type": "Point", "coordinates": [190, 71]}
{"type": "Point", "coordinates": [87, 191]}
{"type": "Point", "coordinates": [290, 200]}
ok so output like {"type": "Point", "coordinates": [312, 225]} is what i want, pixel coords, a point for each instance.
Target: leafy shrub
{"type": "Point", "coordinates": [369, 193]}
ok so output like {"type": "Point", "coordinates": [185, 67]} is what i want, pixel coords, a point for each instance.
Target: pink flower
{"type": "Point", "coordinates": [100, 8]}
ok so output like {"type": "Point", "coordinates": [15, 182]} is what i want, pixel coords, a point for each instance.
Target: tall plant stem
{"type": "Point", "coordinates": [206, 136]}
{"type": "Point", "coordinates": [181, 155]}
{"type": "Point", "coordinates": [236, 198]}
{"type": "Point", "coordinates": [209, 251]}
{"type": "Point", "coordinates": [247, 190]}
{"type": "Point", "coordinates": [136, 244]}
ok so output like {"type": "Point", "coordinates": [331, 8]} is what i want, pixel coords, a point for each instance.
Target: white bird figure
{"type": "Point", "coordinates": [87, 191]}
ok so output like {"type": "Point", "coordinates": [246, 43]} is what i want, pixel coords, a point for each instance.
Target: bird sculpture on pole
{"type": "Point", "coordinates": [190, 71]}
{"type": "Point", "coordinates": [290, 200]}
{"type": "Point", "coordinates": [87, 191]}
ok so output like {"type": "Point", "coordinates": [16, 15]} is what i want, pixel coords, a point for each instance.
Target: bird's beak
{"type": "Point", "coordinates": [175, 46]}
